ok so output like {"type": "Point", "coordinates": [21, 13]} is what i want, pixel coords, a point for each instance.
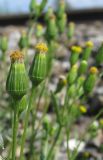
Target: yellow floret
{"type": "Point", "coordinates": [42, 47]}
{"type": "Point", "coordinates": [76, 49]}
{"type": "Point", "coordinates": [75, 66]}
{"type": "Point", "coordinates": [101, 121]}
{"type": "Point", "coordinates": [86, 154]}
{"type": "Point", "coordinates": [93, 70]}
{"type": "Point", "coordinates": [72, 24]}
{"type": "Point", "coordinates": [39, 27]}
{"type": "Point", "coordinates": [83, 109]}
{"type": "Point", "coordinates": [16, 55]}
{"type": "Point", "coordinates": [89, 44]}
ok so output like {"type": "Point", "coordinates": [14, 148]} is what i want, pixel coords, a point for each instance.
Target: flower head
{"type": "Point", "coordinates": [93, 70]}
{"type": "Point", "coordinates": [39, 27]}
{"type": "Point", "coordinates": [16, 55]}
{"type": "Point", "coordinates": [42, 47]}
{"type": "Point", "coordinates": [89, 44]}
{"type": "Point", "coordinates": [76, 49]}
{"type": "Point", "coordinates": [83, 109]}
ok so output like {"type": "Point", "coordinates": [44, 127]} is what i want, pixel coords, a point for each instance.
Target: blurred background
{"type": "Point", "coordinates": [21, 7]}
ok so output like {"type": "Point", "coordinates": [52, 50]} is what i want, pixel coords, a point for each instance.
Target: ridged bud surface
{"type": "Point", "coordinates": [17, 80]}
{"type": "Point", "coordinates": [38, 69]}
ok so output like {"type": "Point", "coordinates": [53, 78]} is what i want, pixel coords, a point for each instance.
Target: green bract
{"type": "Point", "coordinates": [72, 75]}
{"type": "Point", "coordinates": [17, 80]}
{"type": "Point", "coordinates": [61, 22]}
{"type": "Point", "coordinates": [38, 69]}
{"type": "Point", "coordinates": [75, 51]}
{"type": "Point", "coordinates": [83, 67]}
{"type": "Point", "coordinates": [91, 80]}
{"type": "Point", "coordinates": [23, 43]}
{"type": "Point", "coordinates": [87, 50]}
{"type": "Point", "coordinates": [51, 31]}
{"type": "Point", "coordinates": [71, 30]}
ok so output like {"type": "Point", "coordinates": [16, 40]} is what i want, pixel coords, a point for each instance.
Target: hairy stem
{"type": "Point", "coordinates": [15, 127]}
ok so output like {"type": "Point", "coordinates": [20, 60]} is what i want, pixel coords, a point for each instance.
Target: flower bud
{"type": "Point", "coordinates": [46, 124]}
{"type": "Point", "coordinates": [32, 5]}
{"type": "Point", "coordinates": [80, 91]}
{"type": "Point", "coordinates": [61, 8]}
{"type": "Point", "coordinates": [38, 69]}
{"type": "Point", "coordinates": [80, 81]}
{"type": "Point", "coordinates": [51, 31]}
{"type": "Point", "coordinates": [3, 44]}
{"type": "Point", "coordinates": [79, 86]}
{"type": "Point", "coordinates": [43, 4]}
{"type": "Point", "coordinates": [17, 80]}
{"type": "Point", "coordinates": [75, 51]}
{"type": "Point", "coordinates": [61, 22]}
{"type": "Point", "coordinates": [87, 50]}
{"type": "Point", "coordinates": [83, 109]}
{"type": "Point", "coordinates": [48, 14]}
{"type": "Point", "coordinates": [62, 82]}
{"type": "Point", "coordinates": [23, 42]}
{"type": "Point", "coordinates": [91, 80]}
{"type": "Point", "coordinates": [72, 75]}
{"type": "Point", "coordinates": [39, 31]}
{"type": "Point", "coordinates": [83, 67]}
{"type": "Point", "coordinates": [71, 29]}
{"type": "Point", "coordinates": [99, 57]}
{"type": "Point", "coordinates": [71, 91]}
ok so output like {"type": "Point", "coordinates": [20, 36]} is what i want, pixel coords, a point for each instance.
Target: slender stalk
{"type": "Point", "coordinates": [3, 56]}
{"type": "Point", "coordinates": [26, 123]}
{"type": "Point", "coordinates": [54, 143]}
{"type": "Point", "coordinates": [15, 127]}
{"type": "Point", "coordinates": [68, 150]}
{"type": "Point", "coordinates": [34, 131]}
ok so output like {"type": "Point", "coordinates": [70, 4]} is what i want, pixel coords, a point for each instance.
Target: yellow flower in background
{"type": "Point", "coordinates": [83, 109]}
{"type": "Point", "coordinates": [101, 121]}
{"type": "Point", "coordinates": [89, 44]}
{"type": "Point", "coordinates": [39, 27]}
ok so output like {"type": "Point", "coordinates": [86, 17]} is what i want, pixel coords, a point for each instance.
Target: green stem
{"type": "Point", "coordinates": [15, 127]}
{"type": "Point", "coordinates": [68, 136]}
{"type": "Point", "coordinates": [35, 130]}
{"type": "Point", "coordinates": [3, 56]}
{"type": "Point", "coordinates": [54, 143]}
{"type": "Point", "coordinates": [26, 123]}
